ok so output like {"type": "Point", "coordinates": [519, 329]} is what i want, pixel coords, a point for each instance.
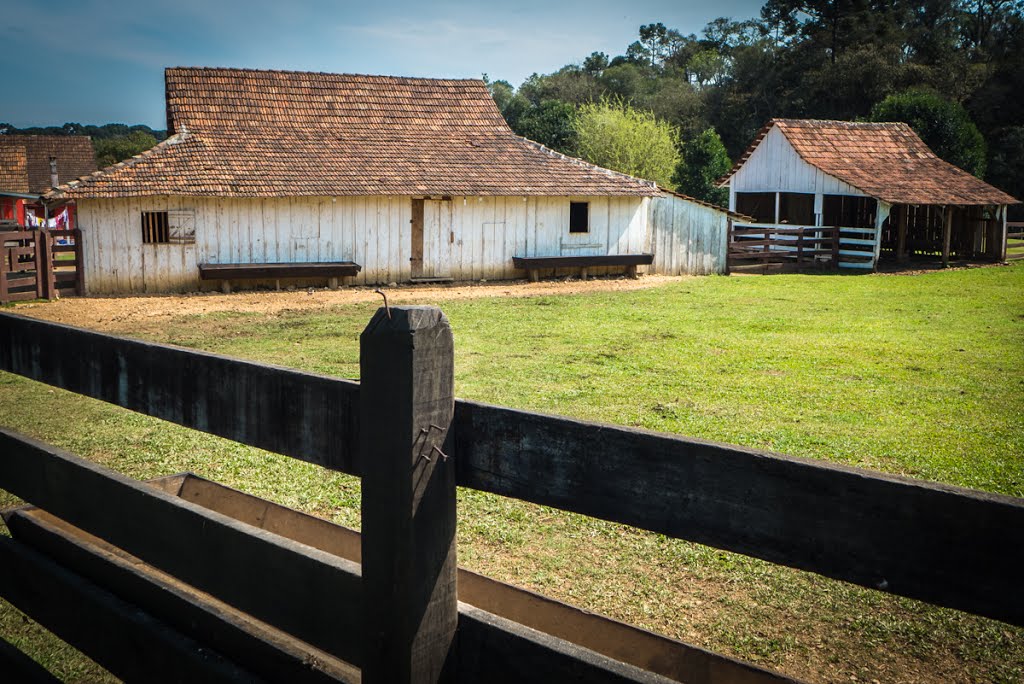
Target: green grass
{"type": "Point", "coordinates": [919, 375]}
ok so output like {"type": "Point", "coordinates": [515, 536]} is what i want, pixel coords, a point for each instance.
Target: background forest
{"type": "Point", "coordinates": [679, 109]}
{"type": "Point", "coordinates": [952, 69]}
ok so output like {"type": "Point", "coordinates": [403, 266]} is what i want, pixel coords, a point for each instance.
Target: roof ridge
{"type": "Point", "coordinates": [318, 73]}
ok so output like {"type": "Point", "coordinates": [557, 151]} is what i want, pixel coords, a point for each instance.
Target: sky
{"type": "Point", "coordinates": [102, 61]}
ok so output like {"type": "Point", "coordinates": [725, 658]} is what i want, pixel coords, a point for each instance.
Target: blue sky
{"type": "Point", "coordinates": [102, 61]}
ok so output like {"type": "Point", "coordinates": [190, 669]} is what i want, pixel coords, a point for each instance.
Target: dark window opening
{"type": "Point", "coordinates": [156, 227]}
{"type": "Point", "coordinates": [848, 211]}
{"type": "Point", "coordinates": [579, 217]}
{"type": "Point", "coordinates": [760, 206]}
{"type": "Point", "coordinates": [796, 208]}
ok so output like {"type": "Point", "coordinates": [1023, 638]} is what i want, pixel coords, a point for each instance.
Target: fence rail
{"type": "Point", "coordinates": [765, 244]}
{"type": "Point", "coordinates": [880, 531]}
{"type": "Point", "coordinates": [1014, 240]}
{"type": "Point", "coordinates": [33, 265]}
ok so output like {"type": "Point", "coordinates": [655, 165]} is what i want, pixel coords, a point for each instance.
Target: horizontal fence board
{"type": "Point", "coordinates": [234, 562]}
{"type": "Point", "coordinates": [867, 528]}
{"type": "Point", "coordinates": [308, 417]}
{"type": "Point", "coordinates": [240, 559]}
{"type": "Point", "coordinates": [246, 642]}
{"type": "Point", "coordinates": [950, 546]}
{"type": "Point", "coordinates": [131, 644]}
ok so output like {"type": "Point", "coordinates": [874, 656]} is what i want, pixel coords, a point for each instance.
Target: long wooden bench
{"type": "Point", "coordinates": [331, 270]}
{"type": "Point", "coordinates": [535, 264]}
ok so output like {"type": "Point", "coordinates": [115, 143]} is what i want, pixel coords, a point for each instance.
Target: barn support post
{"type": "Point", "coordinates": [407, 401]}
{"type": "Point", "coordinates": [901, 238]}
{"type": "Point", "coordinates": [947, 233]}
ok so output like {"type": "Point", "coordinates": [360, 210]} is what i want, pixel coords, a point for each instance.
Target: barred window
{"type": "Point", "coordinates": [169, 227]}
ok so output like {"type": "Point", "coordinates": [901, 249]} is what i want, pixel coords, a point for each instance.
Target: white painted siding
{"type": "Point", "coordinates": [484, 233]}
{"type": "Point", "coordinates": [774, 166]}
{"type": "Point", "coordinates": [687, 238]}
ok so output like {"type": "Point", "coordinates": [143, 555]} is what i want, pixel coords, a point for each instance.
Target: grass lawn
{"type": "Point", "coordinates": [919, 375]}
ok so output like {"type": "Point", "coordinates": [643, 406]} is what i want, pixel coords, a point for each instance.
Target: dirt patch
{"type": "Point", "coordinates": [112, 312]}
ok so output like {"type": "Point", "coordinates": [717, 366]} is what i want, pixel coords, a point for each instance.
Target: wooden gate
{"type": "Point", "coordinates": [40, 264]}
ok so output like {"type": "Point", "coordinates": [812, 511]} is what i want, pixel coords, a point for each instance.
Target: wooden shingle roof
{"type": "Point", "coordinates": [884, 160]}
{"type": "Point", "coordinates": [25, 160]}
{"type": "Point", "coordinates": [250, 133]}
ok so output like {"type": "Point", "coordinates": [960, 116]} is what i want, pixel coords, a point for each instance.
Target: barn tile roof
{"type": "Point", "coordinates": [249, 133]}
{"type": "Point", "coordinates": [25, 160]}
{"type": "Point", "coordinates": [884, 160]}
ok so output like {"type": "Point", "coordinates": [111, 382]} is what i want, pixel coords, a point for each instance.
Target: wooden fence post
{"type": "Point", "coordinates": [76, 235]}
{"type": "Point", "coordinates": [407, 400]}
{"type": "Point", "coordinates": [5, 261]}
{"type": "Point", "coordinates": [44, 264]}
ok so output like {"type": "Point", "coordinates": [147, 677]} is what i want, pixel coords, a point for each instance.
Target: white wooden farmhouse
{"type": "Point", "coordinates": [271, 174]}
{"type": "Point", "coordinates": [878, 184]}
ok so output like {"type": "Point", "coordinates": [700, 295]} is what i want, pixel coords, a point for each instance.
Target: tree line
{"type": "Point", "coordinates": [112, 142]}
{"type": "Point", "coordinates": [952, 69]}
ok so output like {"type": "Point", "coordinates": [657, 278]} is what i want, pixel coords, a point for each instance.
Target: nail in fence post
{"type": "Point", "coordinates": [410, 606]}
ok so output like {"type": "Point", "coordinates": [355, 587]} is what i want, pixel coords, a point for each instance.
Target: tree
{"type": "Point", "coordinates": [612, 134]}
{"type": "Point", "coordinates": [112, 150]}
{"type": "Point", "coordinates": [550, 124]}
{"type": "Point", "coordinates": [704, 160]}
{"type": "Point", "coordinates": [943, 125]}
{"type": "Point", "coordinates": [1006, 168]}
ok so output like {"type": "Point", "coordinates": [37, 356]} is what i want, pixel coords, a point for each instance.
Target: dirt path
{"type": "Point", "coordinates": [112, 312]}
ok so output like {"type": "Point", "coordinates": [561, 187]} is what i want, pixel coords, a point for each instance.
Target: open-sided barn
{"type": "Point", "coordinates": [412, 179]}
{"type": "Point", "coordinates": [878, 184]}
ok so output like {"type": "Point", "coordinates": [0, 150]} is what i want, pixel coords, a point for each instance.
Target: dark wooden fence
{"type": "Point", "coordinates": [40, 264]}
{"type": "Point", "coordinates": [774, 246]}
{"type": "Point", "coordinates": [396, 615]}
{"type": "Point", "coordinates": [1014, 240]}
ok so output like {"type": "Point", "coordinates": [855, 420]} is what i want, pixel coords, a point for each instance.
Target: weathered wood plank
{"type": "Point", "coordinates": [131, 644]}
{"type": "Point", "coordinates": [249, 643]}
{"type": "Point", "coordinates": [498, 651]}
{"type": "Point", "coordinates": [619, 641]}
{"type": "Point", "coordinates": [308, 417]}
{"type": "Point", "coordinates": [337, 269]}
{"type": "Point", "coordinates": [596, 260]}
{"type": "Point", "coordinates": [410, 607]}
{"type": "Point", "coordinates": [876, 530]}
{"type": "Point", "coordinates": [216, 554]}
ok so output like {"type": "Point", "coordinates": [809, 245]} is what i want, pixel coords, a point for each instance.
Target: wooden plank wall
{"type": "Point", "coordinates": [687, 238]}
{"type": "Point", "coordinates": [376, 232]}
{"type": "Point", "coordinates": [776, 167]}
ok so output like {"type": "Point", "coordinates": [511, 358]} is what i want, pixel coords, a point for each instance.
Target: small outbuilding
{"type": "Point", "coordinates": [379, 178]}
{"type": "Point", "coordinates": [877, 185]}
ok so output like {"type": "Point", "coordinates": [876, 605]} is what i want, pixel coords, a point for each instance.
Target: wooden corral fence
{"type": "Point", "coordinates": [185, 580]}
{"type": "Point", "coordinates": [40, 264]}
{"type": "Point", "coordinates": [766, 245]}
{"type": "Point", "coordinates": [1014, 240]}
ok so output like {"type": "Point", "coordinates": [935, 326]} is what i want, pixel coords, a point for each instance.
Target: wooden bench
{"type": "Point", "coordinates": [332, 270]}
{"type": "Point", "coordinates": [630, 261]}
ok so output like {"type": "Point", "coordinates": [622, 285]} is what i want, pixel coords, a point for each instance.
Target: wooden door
{"type": "Point", "coordinates": [435, 239]}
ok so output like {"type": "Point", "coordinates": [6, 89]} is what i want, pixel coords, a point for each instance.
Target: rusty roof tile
{"type": "Point", "coordinates": [884, 160]}
{"type": "Point", "coordinates": [251, 133]}
{"type": "Point", "coordinates": [74, 155]}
